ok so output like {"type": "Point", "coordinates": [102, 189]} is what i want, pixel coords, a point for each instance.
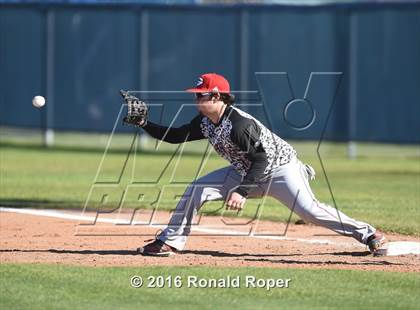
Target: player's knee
{"type": "Point", "coordinates": [195, 193]}
{"type": "Point", "coordinates": [208, 194]}
{"type": "Point", "coordinates": [201, 194]}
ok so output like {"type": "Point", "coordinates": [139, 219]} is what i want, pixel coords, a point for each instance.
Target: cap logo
{"type": "Point", "coordinates": [215, 89]}
{"type": "Point", "coordinates": [200, 81]}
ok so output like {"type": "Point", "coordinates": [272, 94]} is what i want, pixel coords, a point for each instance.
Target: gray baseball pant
{"type": "Point", "coordinates": [289, 185]}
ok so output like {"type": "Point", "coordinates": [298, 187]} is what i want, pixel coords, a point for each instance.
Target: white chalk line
{"type": "Point", "coordinates": [64, 215]}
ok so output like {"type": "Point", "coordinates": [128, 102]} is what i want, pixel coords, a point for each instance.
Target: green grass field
{"type": "Point", "coordinates": [64, 287]}
{"type": "Point", "coordinates": [380, 187]}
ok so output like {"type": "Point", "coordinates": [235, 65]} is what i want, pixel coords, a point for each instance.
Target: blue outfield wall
{"type": "Point", "coordinates": [362, 62]}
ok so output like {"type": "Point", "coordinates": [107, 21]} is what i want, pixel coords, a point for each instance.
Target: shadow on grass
{"type": "Point", "coordinates": [79, 206]}
{"type": "Point", "coordinates": [93, 150]}
{"type": "Point", "coordinates": [60, 205]}
{"type": "Point", "coordinates": [41, 204]}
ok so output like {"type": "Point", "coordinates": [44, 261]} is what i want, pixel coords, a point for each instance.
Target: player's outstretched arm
{"type": "Point", "coordinates": [187, 132]}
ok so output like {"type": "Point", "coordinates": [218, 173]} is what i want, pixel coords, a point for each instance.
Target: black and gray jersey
{"type": "Point", "coordinates": [251, 148]}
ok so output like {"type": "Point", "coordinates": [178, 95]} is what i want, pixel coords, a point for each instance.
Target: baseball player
{"type": "Point", "coordinates": [261, 163]}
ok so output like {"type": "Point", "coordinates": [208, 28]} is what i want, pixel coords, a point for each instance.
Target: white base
{"type": "Point", "coordinates": [399, 248]}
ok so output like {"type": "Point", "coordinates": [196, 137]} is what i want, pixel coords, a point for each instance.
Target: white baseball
{"type": "Point", "coordinates": [38, 101]}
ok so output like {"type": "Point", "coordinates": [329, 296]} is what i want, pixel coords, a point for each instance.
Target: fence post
{"type": "Point", "coordinates": [244, 54]}
{"type": "Point", "coordinates": [352, 109]}
{"type": "Point", "coordinates": [49, 42]}
{"type": "Point", "coordinates": [144, 63]}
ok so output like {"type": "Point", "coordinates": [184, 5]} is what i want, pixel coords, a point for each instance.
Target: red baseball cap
{"type": "Point", "coordinates": [211, 82]}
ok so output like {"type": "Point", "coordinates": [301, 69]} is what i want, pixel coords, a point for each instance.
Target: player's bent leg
{"type": "Point", "coordinates": [211, 187]}
{"type": "Point", "coordinates": [290, 186]}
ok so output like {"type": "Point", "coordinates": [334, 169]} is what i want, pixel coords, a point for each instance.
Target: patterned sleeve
{"type": "Point", "coordinates": [246, 134]}
{"type": "Point", "coordinates": [187, 132]}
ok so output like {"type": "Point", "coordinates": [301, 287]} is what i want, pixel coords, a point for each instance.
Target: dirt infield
{"type": "Point", "coordinates": [49, 239]}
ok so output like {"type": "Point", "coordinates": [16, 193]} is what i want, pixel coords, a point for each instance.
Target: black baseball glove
{"type": "Point", "coordinates": [136, 110]}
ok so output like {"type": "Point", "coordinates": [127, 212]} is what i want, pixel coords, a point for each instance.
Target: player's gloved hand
{"type": "Point", "coordinates": [235, 201]}
{"type": "Point", "coordinates": [137, 110]}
